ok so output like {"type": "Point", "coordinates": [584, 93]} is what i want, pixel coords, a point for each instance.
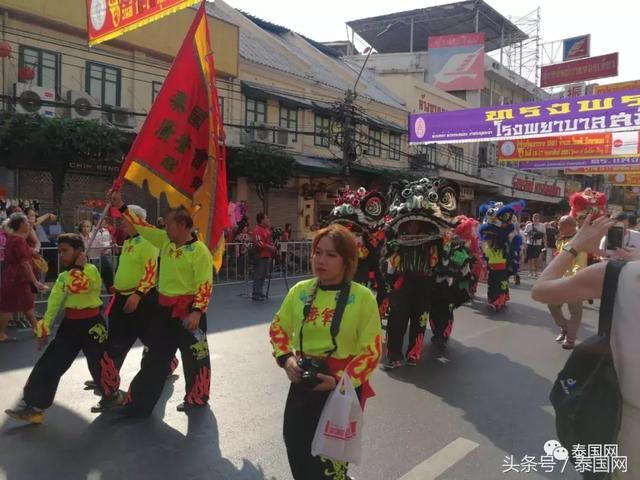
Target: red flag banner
{"type": "Point", "coordinates": [178, 151]}
{"type": "Point", "coordinates": [107, 19]}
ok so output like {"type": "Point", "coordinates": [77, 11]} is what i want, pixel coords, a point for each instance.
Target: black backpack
{"type": "Point", "coordinates": [586, 395]}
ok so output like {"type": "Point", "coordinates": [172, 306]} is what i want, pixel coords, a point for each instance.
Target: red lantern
{"type": "Point", "coordinates": [5, 49]}
{"type": "Point", "coordinates": [26, 74]}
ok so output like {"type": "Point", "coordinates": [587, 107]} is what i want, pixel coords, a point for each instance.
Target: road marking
{"type": "Point", "coordinates": [441, 461]}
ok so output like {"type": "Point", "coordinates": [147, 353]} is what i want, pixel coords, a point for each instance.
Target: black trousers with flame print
{"type": "Point", "coordinates": [126, 328]}
{"type": "Point", "coordinates": [409, 305]}
{"type": "Point", "coordinates": [86, 335]}
{"type": "Point", "coordinates": [168, 336]}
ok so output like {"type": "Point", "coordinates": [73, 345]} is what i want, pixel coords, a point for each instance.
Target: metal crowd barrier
{"type": "Point", "coordinates": [292, 260]}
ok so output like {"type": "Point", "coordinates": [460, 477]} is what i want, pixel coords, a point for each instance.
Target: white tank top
{"type": "Point", "coordinates": [625, 333]}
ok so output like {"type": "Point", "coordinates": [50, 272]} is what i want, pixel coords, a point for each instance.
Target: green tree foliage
{"type": "Point", "coordinates": [52, 143]}
{"type": "Point", "coordinates": [265, 166]}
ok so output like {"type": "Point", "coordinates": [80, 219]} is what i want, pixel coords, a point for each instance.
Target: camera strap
{"type": "Point", "coordinates": [341, 305]}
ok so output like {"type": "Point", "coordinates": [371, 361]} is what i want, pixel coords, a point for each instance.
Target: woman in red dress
{"type": "Point", "coordinates": [17, 275]}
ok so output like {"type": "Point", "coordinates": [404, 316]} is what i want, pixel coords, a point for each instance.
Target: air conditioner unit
{"type": "Point", "coordinates": [282, 136]}
{"type": "Point", "coordinates": [261, 133]}
{"type": "Point", "coordinates": [30, 99]}
{"type": "Point", "coordinates": [121, 117]}
{"type": "Point", "coordinates": [83, 105]}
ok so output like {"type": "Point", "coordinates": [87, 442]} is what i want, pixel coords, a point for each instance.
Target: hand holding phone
{"type": "Point", "coordinates": [615, 237]}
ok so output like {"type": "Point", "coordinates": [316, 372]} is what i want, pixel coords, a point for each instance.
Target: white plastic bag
{"type": "Point", "coordinates": [339, 432]}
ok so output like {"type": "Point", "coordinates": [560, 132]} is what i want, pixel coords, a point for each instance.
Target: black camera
{"type": "Point", "coordinates": [310, 369]}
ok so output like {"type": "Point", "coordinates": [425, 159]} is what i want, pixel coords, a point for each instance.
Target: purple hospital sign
{"type": "Point", "coordinates": [558, 164]}
{"type": "Point", "coordinates": [611, 112]}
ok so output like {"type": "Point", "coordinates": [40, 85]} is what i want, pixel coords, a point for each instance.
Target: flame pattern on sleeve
{"type": "Point", "coordinates": [148, 281]}
{"type": "Point", "coordinates": [280, 340]}
{"type": "Point", "coordinates": [135, 220]}
{"type": "Point", "coordinates": [362, 366]}
{"type": "Point", "coordinates": [201, 300]}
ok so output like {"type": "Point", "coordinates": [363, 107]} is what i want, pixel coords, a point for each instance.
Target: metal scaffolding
{"type": "Point", "coordinates": [524, 57]}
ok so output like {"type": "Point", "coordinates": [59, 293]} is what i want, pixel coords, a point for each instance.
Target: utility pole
{"type": "Point", "coordinates": [348, 114]}
{"type": "Point", "coordinates": [348, 140]}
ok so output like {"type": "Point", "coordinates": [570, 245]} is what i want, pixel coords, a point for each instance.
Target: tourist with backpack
{"type": "Point", "coordinates": [597, 394]}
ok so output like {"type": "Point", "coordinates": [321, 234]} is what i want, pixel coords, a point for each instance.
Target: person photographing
{"type": "Point", "coordinates": [325, 327]}
{"type": "Point", "coordinates": [553, 287]}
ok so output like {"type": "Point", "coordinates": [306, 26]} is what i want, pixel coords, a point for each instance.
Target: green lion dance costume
{"type": "Point", "coordinates": [427, 268]}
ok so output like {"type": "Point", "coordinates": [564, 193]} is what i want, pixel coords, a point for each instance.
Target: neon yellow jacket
{"type": "Point", "coordinates": [187, 270]}
{"type": "Point", "coordinates": [359, 338]}
{"type": "Point", "coordinates": [81, 286]}
{"type": "Point", "coordinates": [137, 266]}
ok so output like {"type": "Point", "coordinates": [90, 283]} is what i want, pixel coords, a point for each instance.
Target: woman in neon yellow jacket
{"type": "Point", "coordinates": [314, 355]}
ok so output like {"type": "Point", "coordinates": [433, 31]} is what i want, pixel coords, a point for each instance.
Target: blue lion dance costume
{"type": "Point", "coordinates": [501, 245]}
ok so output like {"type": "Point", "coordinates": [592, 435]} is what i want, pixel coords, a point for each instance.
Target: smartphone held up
{"type": "Point", "coordinates": [615, 237]}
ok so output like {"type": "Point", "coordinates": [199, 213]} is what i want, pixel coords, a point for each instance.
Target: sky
{"type": "Point", "coordinates": [612, 24]}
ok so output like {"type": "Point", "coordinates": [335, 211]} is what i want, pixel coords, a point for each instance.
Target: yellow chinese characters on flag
{"type": "Point", "coordinates": [107, 19]}
{"type": "Point", "coordinates": [180, 148]}
{"type": "Point", "coordinates": [625, 179]}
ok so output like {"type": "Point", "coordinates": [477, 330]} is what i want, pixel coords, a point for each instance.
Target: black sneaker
{"type": "Point", "coordinates": [106, 403]}
{"type": "Point", "coordinates": [391, 364]}
{"type": "Point", "coordinates": [90, 385]}
{"type": "Point", "coordinates": [517, 280]}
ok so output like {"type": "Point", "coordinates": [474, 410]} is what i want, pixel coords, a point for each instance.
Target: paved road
{"type": "Point", "coordinates": [456, 416]}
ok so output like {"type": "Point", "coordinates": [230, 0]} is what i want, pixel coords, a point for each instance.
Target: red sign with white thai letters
{"type": "Point", "coordinates": [579, 70]}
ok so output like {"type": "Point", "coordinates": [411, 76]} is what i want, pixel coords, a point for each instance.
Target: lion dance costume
{"type": "Point", "coordinates": [588, 202]}
{"type": "Point", "coordinates": [363, 214]}
{"type": "Point", "coordinates": [422, 261]}
{"type": "Point", "coordinates": [501, 245]}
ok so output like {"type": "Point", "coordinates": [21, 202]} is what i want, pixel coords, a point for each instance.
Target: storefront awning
{"type": "Point", "coordinates": [318, 165]}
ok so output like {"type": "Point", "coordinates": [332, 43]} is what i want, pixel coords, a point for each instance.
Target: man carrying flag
{"type": "Point", "coordinates": [185, 284]}
{"type": "Point", "coordinates": [178, 153]}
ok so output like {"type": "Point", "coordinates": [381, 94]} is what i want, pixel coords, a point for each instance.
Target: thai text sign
{"type": "Point", "coordinates": [603, 169]}
{"type": "Point", "coordinates": [625, 179]}
{"type": "Point", "coordinates": [617, 87]}
{"type": "Point", "coordinates": [579, 70]}
{"type": "Point", "coordinates": [616, 111]}
{"type": "Point", "coordinates": [456, 62]}
{"type": "Point", "coordinates": [575, 165]}
{"type": "Point", "coordinates": [107, 19]}
{"type": "Point", "coordinates": [536, 187]}
{"type": "Point", "coordinates": [592, 145]}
